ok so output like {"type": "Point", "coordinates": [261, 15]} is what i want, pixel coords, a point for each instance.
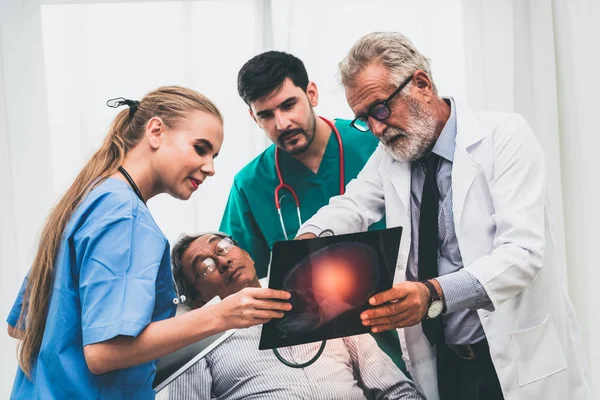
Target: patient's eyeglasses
{"type": "Point", "coordinates": [223, 247]}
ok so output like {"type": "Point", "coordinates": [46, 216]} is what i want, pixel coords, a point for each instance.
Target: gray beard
{"type": "Point", "coordinates": [417, 140]}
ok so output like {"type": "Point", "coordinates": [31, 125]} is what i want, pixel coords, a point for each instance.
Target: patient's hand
{"type": "Point", "coordinates": [252, 306]}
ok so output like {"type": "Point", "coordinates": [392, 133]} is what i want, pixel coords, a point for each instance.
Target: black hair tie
{"type": "Point", "coordinates": [121, 101]}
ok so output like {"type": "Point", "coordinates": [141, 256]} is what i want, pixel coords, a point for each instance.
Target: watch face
{"type": "Point", "coordinates": [435, 309]}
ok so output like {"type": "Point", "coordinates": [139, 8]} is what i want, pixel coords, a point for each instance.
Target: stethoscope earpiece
{"type": "Point", "coordinates": [179, 298]}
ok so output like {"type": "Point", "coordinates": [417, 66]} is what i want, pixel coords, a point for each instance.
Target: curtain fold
{"type": "Point", "coordinates": [576, 36]}
{"type": "Point", "coordinates": [26, 177]}
{"type": "Point", "coordinates": [9, 272]}
{"type": "Point", "coordinates": [540, 58]}
{"type": "Point", "coordinates": [511, 62]}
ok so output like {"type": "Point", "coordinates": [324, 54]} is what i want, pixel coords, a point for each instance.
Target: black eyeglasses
{"type": "Point", "coordinates": [380, 111]}
{"type": "Point", "coordinates": [223, 247]}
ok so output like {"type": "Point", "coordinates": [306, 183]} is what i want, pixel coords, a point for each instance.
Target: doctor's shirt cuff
{"type": "Point", "coordinates": [462, 290]}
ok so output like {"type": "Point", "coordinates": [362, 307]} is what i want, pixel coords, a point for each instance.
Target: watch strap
{"type": "Point", "coordinates": [433, 294]}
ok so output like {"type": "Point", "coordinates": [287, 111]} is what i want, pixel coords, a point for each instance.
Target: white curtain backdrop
{"type": "Point", "coordinates": [540, 58]}
{"type": "Point", "coordinates": [577, 63]}
{"type": "Point", "coordinates": [9, 273]}
{"type": "Point", "coordinates": [61, 60]}
{"type": "Point", "coordinates": [25, 162]}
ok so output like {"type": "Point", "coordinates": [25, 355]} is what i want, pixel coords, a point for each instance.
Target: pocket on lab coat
{"type": "Point", "coordinates": [538, 352]}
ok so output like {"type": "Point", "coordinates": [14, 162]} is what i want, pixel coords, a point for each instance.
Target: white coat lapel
{"type": "Point", "coordinates": [464, 171]}
{"type": "Point", "coordinates": [464, 168]}
{"type": "Point", "coordinates": [399, 174]}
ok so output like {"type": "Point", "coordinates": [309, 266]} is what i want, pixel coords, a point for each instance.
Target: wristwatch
{"type": "Point", "coordinates": [436, 305]}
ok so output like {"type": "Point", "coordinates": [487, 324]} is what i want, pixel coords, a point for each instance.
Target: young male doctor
{"type": "Point", "coordinates": [484, 310]}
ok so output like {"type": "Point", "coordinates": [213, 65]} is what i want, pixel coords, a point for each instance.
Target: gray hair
{"type": "Point", "coordinates": [182, 286]}
{"type": "Point", "coordinates": [393, 50]}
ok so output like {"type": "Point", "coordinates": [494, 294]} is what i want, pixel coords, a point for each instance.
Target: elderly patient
{"type": "Point", "coordinates": [350, 368]}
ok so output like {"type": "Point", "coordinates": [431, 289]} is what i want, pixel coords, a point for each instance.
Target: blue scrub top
{"type": "Point", "coordinates": [112, 277]}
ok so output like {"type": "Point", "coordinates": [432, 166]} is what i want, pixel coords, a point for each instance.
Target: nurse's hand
{"type": "Point", "coordinates": [252, 306]}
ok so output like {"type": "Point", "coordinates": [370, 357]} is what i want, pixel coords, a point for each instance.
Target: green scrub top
{"type": "Point", "coordinates": [251, 217]}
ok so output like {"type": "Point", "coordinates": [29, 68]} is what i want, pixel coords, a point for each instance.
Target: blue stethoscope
{"type": "Point", "coordinates": [283, 185]}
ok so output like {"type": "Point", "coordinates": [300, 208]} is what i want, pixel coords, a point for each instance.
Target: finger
{"type": "Point", "coordinates": [390, 319]}
{"type": "Point", "coordinates": [272, 305]}
{"type": "Point", "coordinates": [382, 328]}
{"type": "Point", "coordinates": [395, 293]}
{"type": "Point", "coordinates": [385, 310]}
{"type": "Point", "coordinates": [266, 293]}
{"type": "Point", "coordinates": [267, 314]}
{"type": "Point", "coordinates": [385, 318]}
{"type": "Point", "coordinates": [408, 319]}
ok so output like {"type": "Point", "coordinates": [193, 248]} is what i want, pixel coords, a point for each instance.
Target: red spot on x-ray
{"type": "Point", "coordinates": [327, 283]}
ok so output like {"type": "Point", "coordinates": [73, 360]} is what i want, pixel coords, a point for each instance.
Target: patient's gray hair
{"type": "Point", "coordinates": [394, 50]}
{"type": "Point", "coordinates": [182, 285]}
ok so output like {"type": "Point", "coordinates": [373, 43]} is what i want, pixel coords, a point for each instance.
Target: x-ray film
{"type": "Point", "coordinates": [330, 280]}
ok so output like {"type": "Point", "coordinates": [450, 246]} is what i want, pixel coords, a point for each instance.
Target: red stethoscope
{"type": "Point", "coordinates": [283, 185]}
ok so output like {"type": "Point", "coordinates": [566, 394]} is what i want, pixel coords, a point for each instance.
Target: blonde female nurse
{"type": "Point", "coordinates": [97, 308]}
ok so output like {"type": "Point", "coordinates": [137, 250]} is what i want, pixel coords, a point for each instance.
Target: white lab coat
{"type": "Point", "coordinates": [505, 240]}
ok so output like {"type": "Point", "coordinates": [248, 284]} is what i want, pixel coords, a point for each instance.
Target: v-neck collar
{"type": "Point", "coordinates": [293, 170]}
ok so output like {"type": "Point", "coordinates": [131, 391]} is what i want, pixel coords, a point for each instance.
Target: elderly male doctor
{"type": "Point", "coordinates": [484, 310]}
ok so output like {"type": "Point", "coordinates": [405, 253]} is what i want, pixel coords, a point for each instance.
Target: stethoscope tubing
{"type": "Point", "coordinates": [283, 185]}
